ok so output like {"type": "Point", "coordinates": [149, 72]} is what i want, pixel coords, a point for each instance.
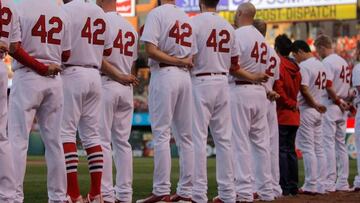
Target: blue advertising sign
{"type": "Point", "coordinates": [141, 119]}
{"type": "Point", "coordinates": [193, 5]}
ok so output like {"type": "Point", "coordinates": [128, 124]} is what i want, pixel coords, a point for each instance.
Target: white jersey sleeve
{"type": "Point", "coordinates": [125, 43]}
{"type": "Point", "coordinates": [66, 44]}
{"type": "Point", "coordinates": [305, 76]}
{"type": "Point", "coordinates": [152, 29]}
{"type": "Point", "coordinates": [10, 26]}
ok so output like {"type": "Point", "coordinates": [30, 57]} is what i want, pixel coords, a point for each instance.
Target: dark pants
{"type": "Point", "coordinates": [288, 159]}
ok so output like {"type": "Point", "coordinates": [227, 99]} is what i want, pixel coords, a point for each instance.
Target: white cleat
{"type": "Point", "coordinates": [77, 200]}
{"type": "Point", "coordinates": [97, 199]}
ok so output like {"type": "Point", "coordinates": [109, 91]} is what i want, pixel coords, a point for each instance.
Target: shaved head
{"type": "Point", "coordinates": [247, 9]}
{"type": "Point", "coordinates": [260, 25]}
{"type": "Point", "coordinates": [245, 14]}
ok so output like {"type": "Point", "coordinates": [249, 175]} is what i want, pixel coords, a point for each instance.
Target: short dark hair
{"type": "Point", "coordinates": [298, 45]}
{"type": "Point", "coordinates": [323, 40]}
{"type": "Point", "coordinates": [283, 45]}
{"type": "Point", "coordinates": [210, 3]}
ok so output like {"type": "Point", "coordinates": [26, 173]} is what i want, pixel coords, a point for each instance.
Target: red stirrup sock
{"type": "Point", "coordinates": [96, 161]}
{"type": "Point", "coordinates": [72, 161]}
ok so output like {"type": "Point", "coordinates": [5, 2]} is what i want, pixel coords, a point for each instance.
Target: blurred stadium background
{"type": "Point", "coordinates": [299, 19]}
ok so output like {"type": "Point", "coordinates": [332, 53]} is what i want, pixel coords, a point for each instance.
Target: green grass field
{"type": "Point", "coordinates": [35, 180]}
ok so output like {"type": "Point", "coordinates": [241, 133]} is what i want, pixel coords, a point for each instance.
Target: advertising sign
{"type": "Point", "coordinates": [334, 12]}
{"type": "Point", "coordinates": [126, 7]}
{"type": "Point", "coordinates": [193, 5]}
{"type": "Point", "coordinates": [269, 4]}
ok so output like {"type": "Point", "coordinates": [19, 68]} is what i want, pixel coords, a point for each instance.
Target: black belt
{"type": "Point", "coordinates": [163, 65]}
{"type": "Point", "coordinates": [209, 74]}
{"type": "Point", "coordinates": [71, 65]}
{"type": "Point", "coordinates": [245, 83]}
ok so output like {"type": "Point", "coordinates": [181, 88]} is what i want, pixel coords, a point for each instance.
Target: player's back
{"type": "Point", "coordinates": [272, 68]}
{"type": "Point", "coordinates": [339, 72]}
{"type": "Point", "coordinates": [215, 41]}
{"type": "Point", "coordinates": [125, 40]}
{"type": "Point", "coordinates": [356, 82]}
{"type": "Point", "coordinates": [170, 29]}
{"type": "Point", "coordinates": [314, 77]}
{"type": "Point", "coordinates": [89, 35]}
{"type": "Point", "coordinates": [10, 28]}
{"type": "Point", "coordinates": [253, 49]}
{"type": "Point", "coordinates": [44, 30]}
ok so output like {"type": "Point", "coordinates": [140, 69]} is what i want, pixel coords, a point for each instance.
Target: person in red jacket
{"type": "Point", "coordinates": [287, 87]}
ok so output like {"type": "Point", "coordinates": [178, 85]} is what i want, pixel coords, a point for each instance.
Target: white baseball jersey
{"type": "Point", "coordinates": [91, 33]}
{"type": "Point", "coordinates": [356, 82]}
{"type": "Point", "coordinates": [272, 68]}
{"type": "Point", "coordinates": [339, 72]}
{"type": "Point", "coordinates": [253, 50]}
{"type": "Point", "coordinates": [170, 29]}
{"type": "Point", "coordinates": [125, 42]}
{"type": "Point", "coordinates": [45, 31]}
{"type": "Point", "coordinates": [10, 26]}
{"type": "Point", "coordinates": [313, 76]}
{"type": "Point", "coordinates": [215, 43]}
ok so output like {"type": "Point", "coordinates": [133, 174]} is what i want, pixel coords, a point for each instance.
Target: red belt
{"type": "Point", "coordinates": [209, 74]}
{"type": "Point", "coordinates": [245, 83]}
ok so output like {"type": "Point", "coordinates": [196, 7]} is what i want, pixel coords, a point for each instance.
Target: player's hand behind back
{"type": "Point", "coordinates": [187, 62]}
{"type": "Point", "coordinates": [128, 80]}
{"type": "Point", "coordinates": [320, 108]}
{"type": "Point", "coordinates": [272, 95]}
{"type": "Point", "coordinates": [3, 49]}
{"type": "Point", "coordinates": [261, 77]}
{"type": "Point", "coordinates": [53, 70]}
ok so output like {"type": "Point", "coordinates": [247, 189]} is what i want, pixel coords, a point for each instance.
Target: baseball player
{"type": "Point", "coordinates": [169, 44]}
{"type": "Point", "coordinates": [91, 39]}
{"type": "Point", "coordinates": [249, 119]}
{"type": "Point", "coordinates": [9, 32]}
{"type": "Point", "coordinates": [309, 136]}
{"type": "Point", "coordinates": [117, 108]}
{"type": "Point", "coordinates": [37, 91]}
{"type": "Point", "coordinates": [217, 52]}
{"type": "Point", "coordinates": [356, 85]}
{"type": "Point", "coordinates": [338, 76]}
{"type": "Point", "coordinates": [273, 71]}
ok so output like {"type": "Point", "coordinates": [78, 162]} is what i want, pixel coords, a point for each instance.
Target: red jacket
{"type": "Point", "coordinates": [288, 86]}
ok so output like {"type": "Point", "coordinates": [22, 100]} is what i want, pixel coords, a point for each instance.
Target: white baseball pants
{"type": "Point", "coordinates": [250, 141]}
{"type": "Point", "coordinates": [7, 176]}
{"type": "Point", "coordinates": [273, 126]}
{"type": "Point", "coordinates": [357, 143]}
{"type": "Point", "coordinates": [32, 96]}
{"type": "Point", "coordinates": [337, 158]}
{"type": "Point", "coordinates": [170, 106]}
{"type": "Point", "coordinates": [212, 108]}
{"type": "Point", "coordinates": [115, 128]}
{"type": "Point", "coordinates": [309, 140]}
{"type": "Point", "coordinates": [82, 105]}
